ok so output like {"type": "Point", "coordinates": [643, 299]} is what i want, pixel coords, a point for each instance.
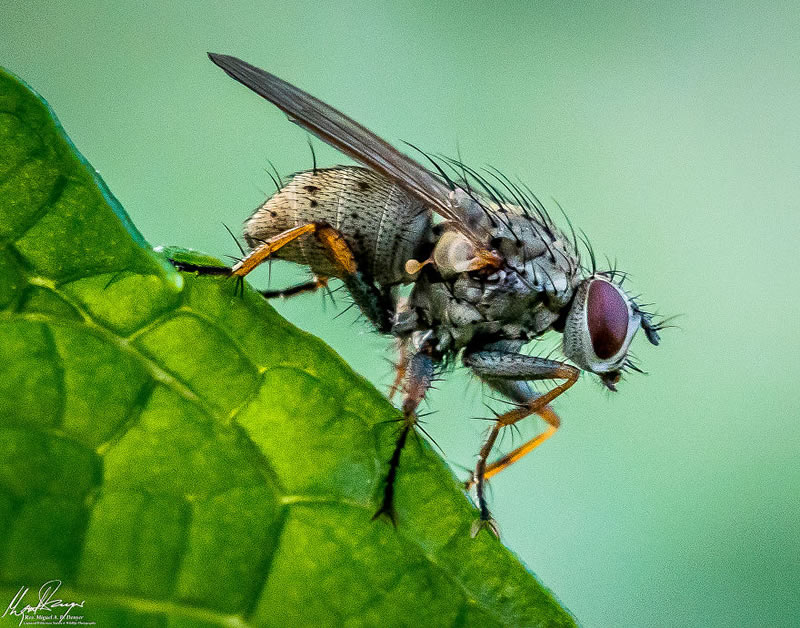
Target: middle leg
{"type": "Point", "coordinates": [418, 376]}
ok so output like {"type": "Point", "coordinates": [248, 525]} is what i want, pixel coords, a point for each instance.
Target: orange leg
{"type": "Point", "coordinates": [506, 461]}
{"type": "Point", "coordinates": [337, 248]}
{"type": "Point", "coordinates": [374, 301]}
{"type": "Point", "coordinates": [508, 366]}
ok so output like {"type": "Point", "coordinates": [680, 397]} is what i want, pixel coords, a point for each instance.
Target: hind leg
{"type": "Point", "coordinates": [337, 249]}
{"type": "Point", "coordinates": [376, 303]}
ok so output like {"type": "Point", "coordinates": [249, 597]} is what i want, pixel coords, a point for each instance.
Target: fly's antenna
{"type": "Point", "coordinates": [650, 329]}
{"type": "Point", "coordinates": [653, 323]}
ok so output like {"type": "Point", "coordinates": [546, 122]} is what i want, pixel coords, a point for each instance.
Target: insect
{"type": "Point", "coordinates": [488, 269]}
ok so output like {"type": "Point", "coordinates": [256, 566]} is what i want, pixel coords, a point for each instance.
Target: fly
{"type": "Point", "coordinates": [490, 274]}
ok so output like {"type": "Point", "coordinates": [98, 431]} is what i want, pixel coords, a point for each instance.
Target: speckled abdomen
{"type": "Point", "coordinates": [381, 223]}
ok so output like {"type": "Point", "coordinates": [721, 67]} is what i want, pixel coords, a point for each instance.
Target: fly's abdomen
{"type": "Point", "coordinates": [383, 226]}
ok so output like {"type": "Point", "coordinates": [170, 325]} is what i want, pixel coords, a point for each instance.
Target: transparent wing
{"type": "Point", "coordinates": [347, 135]}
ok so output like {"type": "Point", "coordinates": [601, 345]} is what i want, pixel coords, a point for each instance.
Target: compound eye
{"type": "Point", "coordinates": [608, 318]}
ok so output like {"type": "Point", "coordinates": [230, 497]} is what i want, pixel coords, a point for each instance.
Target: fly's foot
{"type": "Point", "coordinates": [386, 509]}
{"type": "Point", "coordinates": [205, 269]}
{"type": "Point", "coordinates": [200, 269]}
{"type": "Point", "coordinates": [416, 377]}
{"type": "Point", "coordinates": [481, 523]}
{"type": "Point", "coordinates": [485, 520]}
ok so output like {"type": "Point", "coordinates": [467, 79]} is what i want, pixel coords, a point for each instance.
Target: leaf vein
{"type": "Point", "coordinates": [269, 561]}
{"type": "Point", "coordinates": [58, 364]}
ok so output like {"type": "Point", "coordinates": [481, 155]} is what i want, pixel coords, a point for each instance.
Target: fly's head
{"type": "Point", "coordinates": [600, 326]}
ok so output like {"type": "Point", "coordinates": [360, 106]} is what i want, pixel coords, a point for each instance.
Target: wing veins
{"type": "Point", "coordinates": [348, 136]}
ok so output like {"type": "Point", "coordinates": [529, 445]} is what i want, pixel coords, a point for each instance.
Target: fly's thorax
{"type": "Point", "coordinates": [468, 305]}
{"type": "Point", "coordinates": [540, 255]}
{"type": "Point", "coordinates": [381, 223]}
{"type": "Point", "coordinates": [520, 300]}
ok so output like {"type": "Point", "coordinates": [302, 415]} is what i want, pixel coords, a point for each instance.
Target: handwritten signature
{"type": "Point", "coordinates": [47, 603]}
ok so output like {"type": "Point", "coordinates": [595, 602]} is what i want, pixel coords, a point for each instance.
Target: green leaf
{"type": "Point", "coordinates": [181, 456]}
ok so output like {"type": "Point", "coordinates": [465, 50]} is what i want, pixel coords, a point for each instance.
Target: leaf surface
{"type": "Point", "coordinates": [180, 456]}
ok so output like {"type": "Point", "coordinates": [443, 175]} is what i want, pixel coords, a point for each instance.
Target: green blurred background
{"type": "Point", "coordinates": [669, 134]}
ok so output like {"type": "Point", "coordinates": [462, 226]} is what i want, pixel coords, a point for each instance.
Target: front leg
{"type": "Point", "coordinates": [520, 393]}
{"type": "Point", "coordinates": [508, 372]}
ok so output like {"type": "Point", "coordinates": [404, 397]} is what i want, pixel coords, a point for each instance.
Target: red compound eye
{"type": "Point", "coordinates": [607, 314]}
